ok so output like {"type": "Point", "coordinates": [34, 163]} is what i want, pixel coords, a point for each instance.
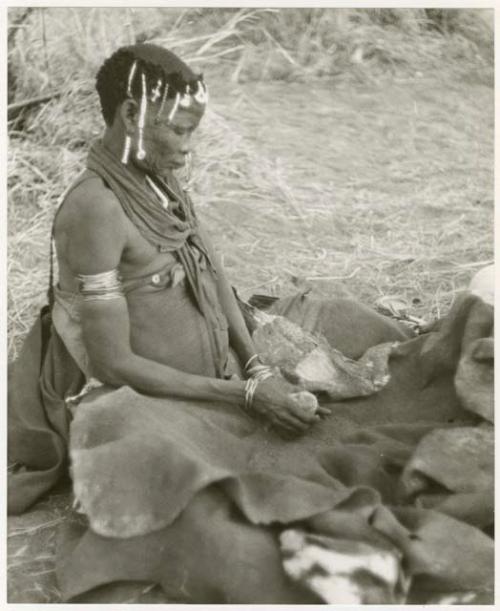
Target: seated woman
{"type": "Point", "coordinates": [143, 305]}
{"type": "Point", "coordinates": [135, 264]}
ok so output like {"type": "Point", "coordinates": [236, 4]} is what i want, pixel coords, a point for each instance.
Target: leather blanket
{"type": "Point", "coordinates": [389, 499]}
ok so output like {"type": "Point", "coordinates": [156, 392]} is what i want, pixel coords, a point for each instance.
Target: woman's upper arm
{"type": "Point", "coordinates": [95, 233]}
{"type": "Point", "coordinates": [95, 240]}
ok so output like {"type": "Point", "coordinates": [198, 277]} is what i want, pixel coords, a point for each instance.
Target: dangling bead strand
{"type": "Point", "coordinates": [163, 100]}
{"type": "Point", "coordinates": [126, 149]}
{"type": "Point", "coordinates": [128, 140]}
{"type": "Point", "coordinates": [174, 107]}
{"type": "Point", "coordinates": [131, 75]}
{"type": "Point", "coordinates": [141, 153]}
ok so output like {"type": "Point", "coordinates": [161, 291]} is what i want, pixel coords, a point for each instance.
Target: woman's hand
{"type": "Point", "coordinates": [288, 408]}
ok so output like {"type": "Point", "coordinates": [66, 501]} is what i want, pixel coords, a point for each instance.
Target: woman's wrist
{"type": "Point", "coordinates": [229, 391]}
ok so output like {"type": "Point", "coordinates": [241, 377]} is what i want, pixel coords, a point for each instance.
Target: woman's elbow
{"type": "Point", "coordinates": [111, 371]}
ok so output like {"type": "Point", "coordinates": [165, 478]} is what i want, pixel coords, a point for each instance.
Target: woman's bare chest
{"type": "Point", "coordinates": [141, 256]}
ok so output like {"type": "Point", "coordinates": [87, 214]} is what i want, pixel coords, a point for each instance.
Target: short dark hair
{"type": "Point", "coordinates": [153, 61]}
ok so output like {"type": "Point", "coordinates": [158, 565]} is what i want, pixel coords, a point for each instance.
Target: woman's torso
{"type": "Point", "coordinates": [166, 324]}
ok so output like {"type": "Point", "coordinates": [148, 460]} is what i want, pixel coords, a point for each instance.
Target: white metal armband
{"type": "Point", "coordinates": [97, 287]}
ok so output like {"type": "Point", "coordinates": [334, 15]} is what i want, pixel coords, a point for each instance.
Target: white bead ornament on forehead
{"type": "Point", "coordinates": [185, 101]}
{"type": "Point", "coordinates": [155, 94]}
{"type": "Point", "coordinates": [201, 95]}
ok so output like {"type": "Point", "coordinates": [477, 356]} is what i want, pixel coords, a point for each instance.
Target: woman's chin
{"type": "Point", "coordinates": [176, 165]}
{"type": "Point", "coordinates": [168, 167]}
{"type": "Point", "coordinates": [158, 164]}
{"type": "Point", "coordinates": [164, 169]}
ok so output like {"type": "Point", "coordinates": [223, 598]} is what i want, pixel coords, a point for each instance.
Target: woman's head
{"type": "Point", "coordinates": [120, 77]}
{"type": "Point", "coordinates": [152, 98]}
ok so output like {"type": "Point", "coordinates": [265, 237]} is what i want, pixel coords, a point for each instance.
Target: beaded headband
{"type": "Point", "coordinates": [186, 94]}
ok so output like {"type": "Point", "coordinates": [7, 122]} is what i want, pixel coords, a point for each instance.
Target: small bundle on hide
{"type": "Point", "coordinates": [308, 360]}
{"type": "Point", "coordinates": [305, 401]}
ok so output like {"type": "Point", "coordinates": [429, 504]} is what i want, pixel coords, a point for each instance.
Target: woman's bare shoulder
{"type": "Point", "coordinates": [90, 229]}
{"type": "Point", "coordinates": [89, 202]}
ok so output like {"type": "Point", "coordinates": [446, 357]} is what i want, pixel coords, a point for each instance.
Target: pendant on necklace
{"type": "Point", "coordinates": [161, 196]}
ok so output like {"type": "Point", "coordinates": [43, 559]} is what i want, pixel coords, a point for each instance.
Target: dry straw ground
{"type": "Point", "coordinates": [351, 150]}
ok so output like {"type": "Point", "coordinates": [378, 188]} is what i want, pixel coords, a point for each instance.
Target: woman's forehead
{"type": "Point", "coordinates": [183, 117]}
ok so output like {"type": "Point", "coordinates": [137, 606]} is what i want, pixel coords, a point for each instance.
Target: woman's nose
{"type": "Point", "coordinates": [185, 144]}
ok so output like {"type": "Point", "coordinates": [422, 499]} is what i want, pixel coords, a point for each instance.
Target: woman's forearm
{"type": "Point", "coordinates": [239, 336]}
{"type": "Point", "coordinates": [153, 378]}
{"type": "Point", "coordinates": [240, 339]}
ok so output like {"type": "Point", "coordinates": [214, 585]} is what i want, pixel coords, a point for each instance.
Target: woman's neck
{"type": "Point", "coordinates": [114, 142]}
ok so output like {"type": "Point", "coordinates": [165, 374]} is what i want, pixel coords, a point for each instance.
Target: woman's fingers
{"type": "Point", "coordinates": [294, 424]}
{"type": "Point", "coordinates": [323, 411]}
{"type": "Point", "coordinates": [299, 423]}
{"type": "Point", "coordinates": [285, 418]}
{"type": "Point", "coordinates": [305, 416]}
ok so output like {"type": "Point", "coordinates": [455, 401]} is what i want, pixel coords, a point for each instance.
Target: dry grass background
{"type": "Point", "coordinates": [351, 149]}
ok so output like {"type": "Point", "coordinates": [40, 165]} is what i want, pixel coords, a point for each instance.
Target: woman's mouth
{"type": "Point", "coordinates": [177, 164]}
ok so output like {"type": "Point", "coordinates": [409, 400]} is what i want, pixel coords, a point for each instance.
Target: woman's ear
{"type": "Point", "coordinates": [129, 115]}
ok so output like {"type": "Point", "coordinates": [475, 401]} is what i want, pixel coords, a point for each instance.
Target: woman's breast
{"type": "Point", "coordinates": [166, 325]}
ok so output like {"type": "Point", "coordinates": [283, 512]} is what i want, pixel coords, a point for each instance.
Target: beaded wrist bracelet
{"type": "Point", "coordinates": [250, 360]}
{"type": "Point", "coordinates": [258, 373]}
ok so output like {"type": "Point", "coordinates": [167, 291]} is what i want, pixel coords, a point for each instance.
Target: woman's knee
{"type": "Point", "coordinates": [234, 561]}
{"type": "Point", "coordinates": [353, 327]}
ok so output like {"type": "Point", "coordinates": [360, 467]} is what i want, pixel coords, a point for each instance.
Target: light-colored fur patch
{"type": "Point", "coordinates": [343, 572]}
